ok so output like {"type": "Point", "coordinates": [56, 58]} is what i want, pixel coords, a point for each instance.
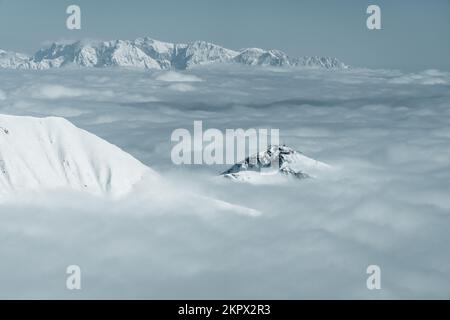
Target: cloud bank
{"type": "Point", "coordinates": [386, 133]}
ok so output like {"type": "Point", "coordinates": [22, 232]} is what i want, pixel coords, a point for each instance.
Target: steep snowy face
{"type": "Point", "coordinates": [59, 55]}
{"type": "Point", "coordinates": [162, 52]}
{"type": "Point", "coordinates": [127, 54]}
{"type": "Point", "coordinates": [153, 54]}
{"type": "Point", "coordinates": [51, 153]}
{"type": "Point", "coordinates": [268, 165]}
{"type": "Point", "coordinates": [12, 60]}
{"type": "Point", "coordinates": [200, 53]}
{"type": "Point", "coordinates": [259, 57]}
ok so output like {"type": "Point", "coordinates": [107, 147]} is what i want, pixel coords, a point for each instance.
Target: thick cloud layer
{"type": "Point", "coordinates": [385, 132]}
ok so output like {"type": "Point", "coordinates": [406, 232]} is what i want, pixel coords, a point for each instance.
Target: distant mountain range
{"type": "Point", "coordinates": [147, 53]}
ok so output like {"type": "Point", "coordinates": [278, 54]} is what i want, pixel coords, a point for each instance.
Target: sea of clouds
{"type": "Point", "coordinates": [387, 134]}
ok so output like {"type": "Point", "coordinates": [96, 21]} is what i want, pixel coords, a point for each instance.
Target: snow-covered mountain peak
{"type": "Point", "coordinates": [277, 160]}
{"type": "Point", "coordinates": [51, 153]}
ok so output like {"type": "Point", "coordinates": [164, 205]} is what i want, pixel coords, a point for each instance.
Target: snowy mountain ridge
{"type": "Point", "coordinates": [147, 53]}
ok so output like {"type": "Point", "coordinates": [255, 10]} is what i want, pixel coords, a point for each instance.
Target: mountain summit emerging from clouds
{"type": "Point", "coordinates": [147, 53]}
{"type": "Point", "coordinates": [268, 165]}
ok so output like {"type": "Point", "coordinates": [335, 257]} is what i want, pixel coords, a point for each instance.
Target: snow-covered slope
{"type": "Point", "coordinates": [273, 165]}
{"type": "Point", "coordinates": [51, 153]}
{"type": "Point", "coordinates": [153, 54]}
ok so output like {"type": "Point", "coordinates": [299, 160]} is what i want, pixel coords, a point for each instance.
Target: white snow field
{"type": "Point", "coordinates": [384, 133]}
